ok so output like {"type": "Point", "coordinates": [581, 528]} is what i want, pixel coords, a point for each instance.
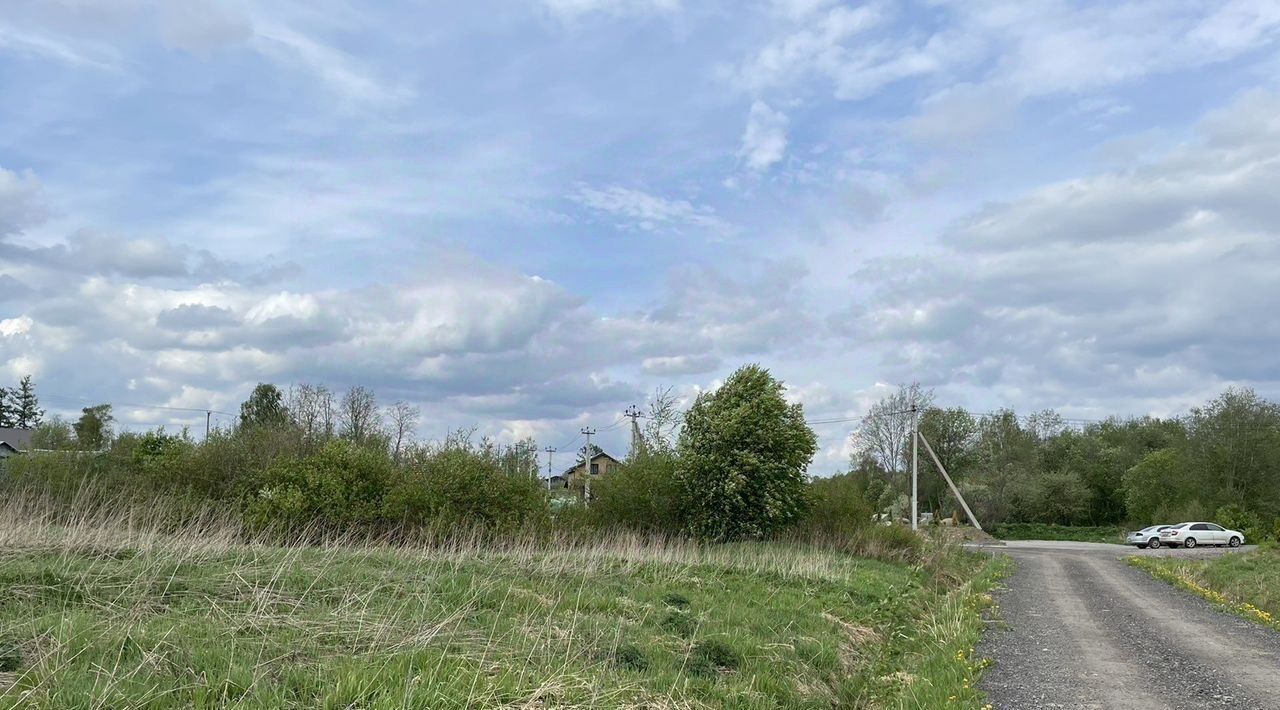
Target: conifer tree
{"type": "Point", "coordinates": [25, 406]}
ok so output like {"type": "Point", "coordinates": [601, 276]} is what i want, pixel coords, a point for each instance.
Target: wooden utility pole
{"type": "Point", "coordinates": [550, 450]}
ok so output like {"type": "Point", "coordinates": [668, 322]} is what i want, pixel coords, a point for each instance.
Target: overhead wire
{"type": "Point", "coordinates": [161, 407]}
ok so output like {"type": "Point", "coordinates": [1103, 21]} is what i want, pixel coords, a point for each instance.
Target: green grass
{"type": "Point", "coordinates": [1246, 584]}
{"type": "Point", "coordinates": [1071, 533]}
{"type": "Point", "coordinates": [97, 615]}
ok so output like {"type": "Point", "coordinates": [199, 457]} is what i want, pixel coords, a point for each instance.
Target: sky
{"type": "Point", "coordinates": [525, 216]}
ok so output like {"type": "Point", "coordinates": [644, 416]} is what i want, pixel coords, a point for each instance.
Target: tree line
{"type": "Point", "coordinates": [731, 466]}
{"type": "Point", "coordinates": [312, 461]}
{"type": "Point", "coordinates": [1220, 461]}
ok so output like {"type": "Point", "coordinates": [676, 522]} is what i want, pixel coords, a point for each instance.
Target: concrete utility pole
{"type": "Point", "coordinates": [955, 491]}
{"type": "Point", "coordinates": [915, 465]}
{"type": "Point", "coordinates": [586, 465]}
{"type": "Point", "coordinates": [636, 442]}
{"type": "Point", "coordinates": [550, 450]}
{"type": "Point", "coordinates": [208, 419]}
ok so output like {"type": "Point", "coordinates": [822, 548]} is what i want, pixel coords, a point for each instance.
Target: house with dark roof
{"type": "Point", "coordinates": [14, 441]}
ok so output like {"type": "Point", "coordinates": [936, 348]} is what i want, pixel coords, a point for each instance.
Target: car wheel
{"type": "Point", "coordinates": [1189, 543]}
{"type": "Point", "coordinates": [1234, 541]}
{"type": "Point", "coordinates": [1154, 543]}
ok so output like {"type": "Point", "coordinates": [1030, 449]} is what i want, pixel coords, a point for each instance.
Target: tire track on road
{"type": "Point", "coordinates": [1210, 650]}
{"type": "Point", "coordinates": [1104, 668]}
{"type": "Point", "coordinates": [1054, 653]}
{"type": "Point", "coordinates": [1086, 631]}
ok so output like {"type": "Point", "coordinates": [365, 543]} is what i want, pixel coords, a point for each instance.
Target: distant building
{"type": "Point", "coordinates": [602, 464]}
{"type": "Point", "coordinates": [14, 441]}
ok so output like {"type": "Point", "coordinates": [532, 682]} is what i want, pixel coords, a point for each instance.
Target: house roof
{"type": "Point", "coordinates": [599, 454]}
{"type": "Point", "coordinates": [17, 439]}
{"type": "Point", "coordinates": [5, 445]}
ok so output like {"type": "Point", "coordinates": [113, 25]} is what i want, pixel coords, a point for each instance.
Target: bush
{"type": "Point", "coordinates": [60, 475]}
{"type": "Point", "coordinates": [458, 485]}
{"type": "Point", "coordinates": [340, 487]}
{"type": "Point", "coordinates": [160, 458]}
{"type": "Point", "coordinates": [642, 496]}
{"type": "Point", "coordinates": [743, 451]}
{"type": "Point", "coordinates": [838, 507]}
{"type": "Point", "coordinates": [1041, 531]}
{"type": "Point", "coordinates": [1233, 517]}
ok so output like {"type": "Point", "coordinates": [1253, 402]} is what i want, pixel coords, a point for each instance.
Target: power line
{"type": "Point", "coordinates": [199, 410]}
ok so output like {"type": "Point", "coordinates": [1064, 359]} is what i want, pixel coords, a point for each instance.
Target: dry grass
{"type": "Point", "coordinates": [118, 606]}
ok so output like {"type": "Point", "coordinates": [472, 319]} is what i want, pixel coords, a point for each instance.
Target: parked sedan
{"type": "Point", "coordinates": [1189, 535]}
{"type": "Point", "coordinates": [1146, 537]}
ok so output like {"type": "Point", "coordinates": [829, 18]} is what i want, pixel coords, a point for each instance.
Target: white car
{"type": "Point", "coordinates": [1189, 535]}
{"type": "Point", "coordinates": [1146, 537]}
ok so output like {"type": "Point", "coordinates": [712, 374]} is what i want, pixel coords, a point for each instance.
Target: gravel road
{"type": "Point", "coordinates": [1082, 629]}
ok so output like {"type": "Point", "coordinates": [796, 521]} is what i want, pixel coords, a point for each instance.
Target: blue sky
{"type": "Point", "coordinates": [525, 216]}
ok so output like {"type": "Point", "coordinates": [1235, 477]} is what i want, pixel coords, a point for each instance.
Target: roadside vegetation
{"type": "Point", "coordinates": [1246, 584]}
{"type": "Point", "coordinates": [1070, 533]}
{"type": "Point", "coordinates": [316, 556]}
{"type": "Point", "coordinates": [1220, 462]}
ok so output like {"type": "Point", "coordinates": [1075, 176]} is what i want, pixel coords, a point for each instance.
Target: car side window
{"type": "Point", "coordinates": [1200, 526]}
{"type": "Point", "coordinates": [1216, 528]}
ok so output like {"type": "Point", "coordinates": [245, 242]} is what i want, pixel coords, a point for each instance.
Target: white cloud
{"type": "Point", "coordinates": [818, 45]}
{"type": "Point", "coordinates": [1104, 283]}
{"type": "Point", "coordinates": [680, 365]}
{"type": "Point", "coordinates": [336, 69]}
{"type": "Point", "coordinates": [13, 327]}
{"type": "Point", "coordinates": [646, 211]}
{"type": "Point", "coordinates": [764, 142]}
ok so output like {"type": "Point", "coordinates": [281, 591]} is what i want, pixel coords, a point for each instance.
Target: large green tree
{"type": "Point", "coordinates": [743, 453]}
{"type": "Point", "coordinates": [264, 408]}
{"type": "Point", "coordinates": [93, 428]}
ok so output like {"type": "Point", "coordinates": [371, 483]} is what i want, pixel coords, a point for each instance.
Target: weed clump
{"type": "Point", "coordinates": [713, 656]}
{"type": "Point", "coordinates": [680, 601]}
{"type": "Point", "coordinates": [680, 623]}
{"type": "Point", "coordinates": [629, 657]}
{"type": "Point", "coordinates": [10, 656]}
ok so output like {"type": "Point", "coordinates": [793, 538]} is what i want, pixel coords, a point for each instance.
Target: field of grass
{"type": "Point", "coordinates": [1247, 584]}
{"type": "Point", "coordinates": [1071, 533]}
{"type": "Point", "coordinates": [115, 614]}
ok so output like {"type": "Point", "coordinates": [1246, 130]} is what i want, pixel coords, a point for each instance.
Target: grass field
{"type": "Point", "coordinates": [1040, 531]}
{"type": "Point", "coordinates": [118, 615]}
{"type": "Point", "coordinates": [1247, 584]}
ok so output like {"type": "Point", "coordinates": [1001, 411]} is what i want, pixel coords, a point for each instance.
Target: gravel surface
{"type": "Point", "coordinates": [1082, 629]}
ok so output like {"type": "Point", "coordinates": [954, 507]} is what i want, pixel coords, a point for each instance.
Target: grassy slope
{"type": "Point", "coordinates": [1039, 531]}
{"type": "Point", "coordinates": [107, 618]}
{"type": "Point", "coordinates": [1247, 584]}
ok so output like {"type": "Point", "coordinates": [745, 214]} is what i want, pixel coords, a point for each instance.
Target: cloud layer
{"type": "Point", "coordinates": [526, 216]}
